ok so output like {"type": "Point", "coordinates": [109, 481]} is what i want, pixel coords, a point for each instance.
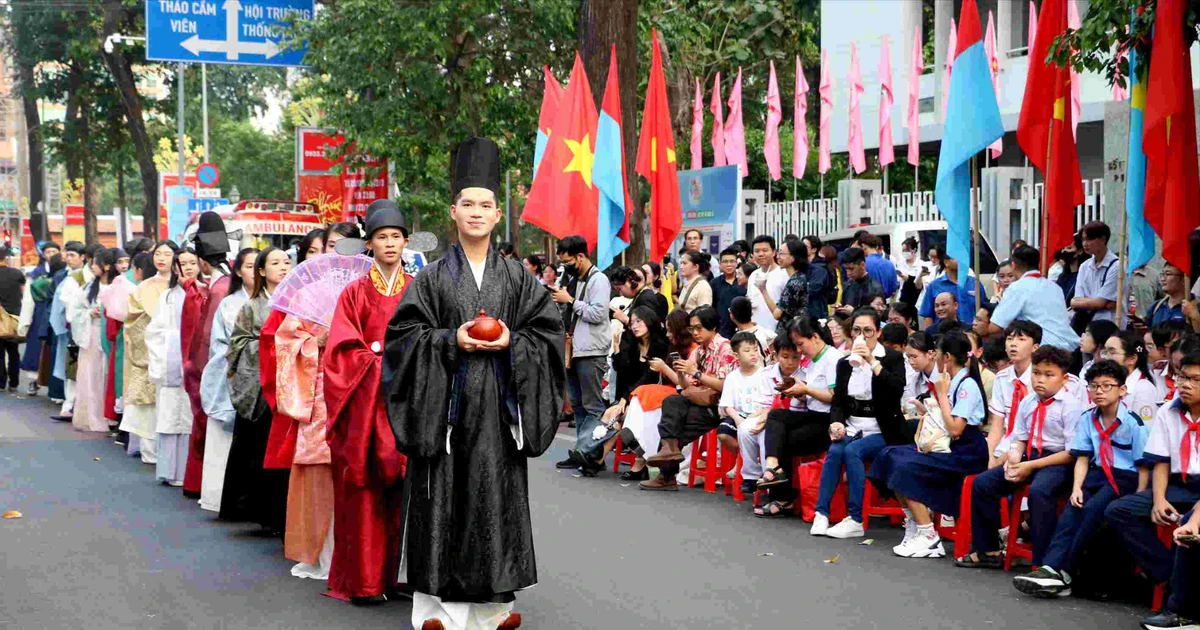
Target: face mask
{"type": "Point", "coordinates": [570, 270]}
{"type": "Point", "coordinates": [909, 256]}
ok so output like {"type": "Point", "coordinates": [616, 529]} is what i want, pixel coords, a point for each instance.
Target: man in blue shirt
{"type": "Point", "coordinates": [1170, 307]}
{"type": "Point", "coordinates": [879, 267]}
{"type": "Point", "coordinates": [1036, 299]}
{"type": "Point", "coordinates": [948, 283]}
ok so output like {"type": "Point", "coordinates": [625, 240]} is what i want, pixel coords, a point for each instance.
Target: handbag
{"type": "Point", "coordinates": [701, 395]}
{"type": "Point", "coordinates": [8, 324]}
{"type": "Point", "coordinates": [931, 435]}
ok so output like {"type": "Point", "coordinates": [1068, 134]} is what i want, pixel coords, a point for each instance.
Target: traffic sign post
{"type": "Point", "coordinates": [208, 174]}
{"type": "Point", "coordinates": [223, 31]}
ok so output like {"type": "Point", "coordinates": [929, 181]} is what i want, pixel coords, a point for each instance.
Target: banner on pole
{"type": "Point", "coordinates": [709, 199]}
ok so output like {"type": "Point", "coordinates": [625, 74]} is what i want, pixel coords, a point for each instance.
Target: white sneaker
{"type": "Point", "coordinates": [848, 528]}
{"type": "Point", "coordinates": [820, 525]}
{"type": "Point", "coordinates": [947, 521]}
{"type": "Point", "coordinates": [910, 530]}
{"type": "Point", "coordinates": [921, 546]}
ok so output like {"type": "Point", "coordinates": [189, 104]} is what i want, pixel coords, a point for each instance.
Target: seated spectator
{"type": "Point", "coordinates": [922, 358]}
{"type": "Point", "coordinates": [1162, 341]}
{"type": "Point", "coordinates": [691, 414]}
{"type": "Point", "coordinates": [945, 306]}
{"type": "Point", "coordinates": [1034, 298]}
{"type": "Point", "coordinates": [858, 287]}
{"type": "Point", "coordinates": [1173, 453]}
{"type": "Point", "coordinates": [639, 361]}
{"type": "Point", "coordinates": [864, 418]}
{"type": "Point", "coordinates": [742, 315]}
{"type": "Point", "coordinates": [779, 376]}
{"type": "Point", "coordinates": [1108, 442]}
{"type": "Point", "coordinates": [1141, 398]}
{"type": "Point", "coordinates": [725, 287]}
{"type": "Point", "coordinates": [1011, 386]}
{"type": "Point", "coordinates": [1170, 307]}
{"type": "Point", "coordinates": [695, 291]}
{"type": "Point", "coordinates": [894, 337]}
{"type": "Point", "coordinates": [902, 313]}
{"type": "Point", "coordinates": [987, 376]}
{"type": "Point", "coordinates": [995, 356]}
{"type": "Point", "coordinates": [1182, 610]}
{"type": "Point", "coordinates": [948, 283]}
{"type": "Point", "coordinates": [740, 400]}
{"type": "Point", "coordinates": [839, 331]}
{"type": "Point", "coordinates": [930, 478]}
{"type": "Point", "coordinates": [877, 302]}
{"type": "Point", "coordinates": [1038, 457]}
{"type": "Point", "coordinates": [1093, 340]}
{"type": "Point", "coordinates": [983, 321]}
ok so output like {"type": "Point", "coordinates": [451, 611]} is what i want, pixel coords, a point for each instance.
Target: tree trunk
{"type": "Point", "coordinates": [91, 192]}
{"type": "Point", "coordinates": [33, 137]}
{"type": "Point", "coordinates": [122, 71]}
{"type": "Point", "coordinates": [603, 23]}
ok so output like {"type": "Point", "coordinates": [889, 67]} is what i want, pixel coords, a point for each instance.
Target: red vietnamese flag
{"type": "Point", "coordinates": [1044, 132]}
{"type": "Point", "coordinates": [656, 159]}
{"type": "Point", "coordinates": [563, 199]}
{"type": "Point", "coordinates": [1169, 141]}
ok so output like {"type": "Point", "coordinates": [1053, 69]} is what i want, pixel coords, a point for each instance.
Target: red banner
{"type": "Point", "coordinates": [358, 191]}
{"type": "Point", "coordinates": [29, 255]}
{"type": "Point", "coordinates": [312, 150]}
{"type": "Point", "coordinates": [316, 183]}
{"type": "Point", "coordinates": [324, 192]}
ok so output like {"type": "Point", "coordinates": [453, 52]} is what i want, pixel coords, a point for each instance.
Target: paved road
{"type": "Point", "coordinates": [101, 545]}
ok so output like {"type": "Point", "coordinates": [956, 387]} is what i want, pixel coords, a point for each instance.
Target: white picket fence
{"type": "Point", "coordinates": [823, 217]}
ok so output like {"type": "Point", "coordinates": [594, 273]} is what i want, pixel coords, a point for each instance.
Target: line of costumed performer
{"type": "Point", "coordinates": [367, 467]}
{"type": "Point", "coordinates": [204, 296]}
{"type": "Point", "coordinates": [470, 400]}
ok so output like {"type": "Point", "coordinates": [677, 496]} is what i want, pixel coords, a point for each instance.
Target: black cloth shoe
{"type": "Point", "coordinates": [641, 475]}
{"type": "Point", "coordinates": [590, 467]}
{"type": "Point", "coordinates": [1165, 620]}
{"type": "Point", "coordinates": [573, 460]}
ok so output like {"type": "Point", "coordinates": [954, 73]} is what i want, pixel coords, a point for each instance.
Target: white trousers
{"type": "Point", "coordinates": [752, 448]}
{"type": "Point", "coordinates": [69, 402]}
{"type": "Point", "coordinates": [458, 615]}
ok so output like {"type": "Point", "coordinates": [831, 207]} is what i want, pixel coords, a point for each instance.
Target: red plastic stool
{"type": "Point", "coordinates": [734, 488]}
{"type": "Point", "coordinates": [874, 505]}
{"type": "Point", "coordinates": [1014, 549]}
{"type": "Point", "coordinates": [960, 532]}
{"type": "Point", "coordinates": [1166, 534]}
{"type": "Point", "coordinates": [708, 449]}
{"type": "Point", "coordinates": [619, 458]}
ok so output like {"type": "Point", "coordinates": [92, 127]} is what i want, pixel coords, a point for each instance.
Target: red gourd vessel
{"type": "Point", "coordinates": [486, 328]}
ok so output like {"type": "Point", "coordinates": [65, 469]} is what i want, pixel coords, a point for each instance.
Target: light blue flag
{"type": "Point", "coordinates": [1140, 234]}
{"type": "Point", "coordinates": [972, 123]}
{"type": "Point", "coordinates": [606, 173]}
{"type": "Point", "coordinates": [539, 149]}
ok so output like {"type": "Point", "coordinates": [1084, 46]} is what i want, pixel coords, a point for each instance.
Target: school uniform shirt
{"type": "Point", "coordinates": [859, 388]}
{"type": "Point", "coordinates": [741, 391]}
{"type": "Point", "coordinates": [1037, 299]}
{"type": "Point", "coordinates": [822, 374]}
{"type": "Point", "coordinates": [1164, 382]}
{"type": "Point", "coordinates": [1141, 396]}
{"type": "Point", "coordinates": [1098, 280]}
{"type": "Point", "coordinates": [1165, 443]}
{"type": "Point", "coordinates": [1086, 366]}
{"type": "Point", "coordinates": [766, 390]}
{"type": "Point", "coordinates": [967, 402]}
{"type": "Point", "coordinates": [1002, 398]}
{"type": "Point", "coordinates": [918, 384]}
{"type": "Point", "coordinates": [1128, 440]}
{"type": "Point", "coordinates": [1058, 428]}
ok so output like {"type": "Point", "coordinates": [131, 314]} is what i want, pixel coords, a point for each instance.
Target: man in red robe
{"type": "Point", "coordinates": [366, 465]}
{"type": "Point", "coordinates": [199, 307]}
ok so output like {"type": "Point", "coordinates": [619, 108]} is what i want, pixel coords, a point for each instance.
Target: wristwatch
{"type": "Point", "coordinates": [697, 374]}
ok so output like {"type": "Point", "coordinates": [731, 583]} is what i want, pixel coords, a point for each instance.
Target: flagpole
{"type": "Point", "coordinates": [885, 180]}
{"type": "Point", "coordinates": [1122, 305]}
{"type": "Point", "coordinates": [822, 185]}
{"type": "Point", "coordinates": [977, 219]}
{"type": "Point", "coordinates": [916, 179]}
{"type": "Point", "coordinates": [1045, 222]}
{"type": "Point", "coordinates": [795, 193]}
{"type": "Point", "coordinates": [768, 189]}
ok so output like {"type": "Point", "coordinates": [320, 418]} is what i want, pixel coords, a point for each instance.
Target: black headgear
{"type": "Point", "coordinates": [384, 213]}
{"type": "Point", "coordinates": [477, 165]}
{"type": "Point", "coordinates": [212, 243]}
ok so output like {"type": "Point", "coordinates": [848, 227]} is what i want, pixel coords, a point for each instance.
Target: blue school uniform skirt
{"type": "Point", "coordinates": [934, 479]}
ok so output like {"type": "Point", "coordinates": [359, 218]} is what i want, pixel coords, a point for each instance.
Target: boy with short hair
{"type": "Point", "coordinates": [739, 398]}
{"type": "Point", "coordinates": [1013, 383]}
{"type": "Point", "coordinates": [1173, 452]}
{"type": "Point", "coordinates": [1109, 440]}
{"type": "Point", "coordinates": [750, 434]}
{"type": "Point", "coordinates": [741, 311]}
{"type": "Point", "coordinates": [1038, 457]}
{"type": "Point", "coordinates": [894, 336]}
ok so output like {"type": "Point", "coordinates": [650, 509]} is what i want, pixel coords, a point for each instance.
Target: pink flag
{"type": "Point", "coordinates": [718, 130]}
{"type": "Point", "coordinates": [771, 137]}
{"type": "Point", "coordinates": [886, 98]}
{"type": "Point", "coordinates": [1073, 21]}
{"type": "Point", "coordinates": [697, 129]}
{"type": "Point", "coordinates": [1032, 24]}
{"type": "Point", "coordinates": [826, 91]}
{"type": "Point", "coordinates": [950, 53]}
{"type": "Point", "coordinates": [914, 101]}
{"type": "Point", "coordinates": [800, 124]}
{"type": "Point", "coordinates": [989, 49]}
{"type": "Point", "coordinates": [735, 133]}
{"type": "Point", "coordinates": [854, 144]}
{"type": "Point", "coordinates": [1121, 93]}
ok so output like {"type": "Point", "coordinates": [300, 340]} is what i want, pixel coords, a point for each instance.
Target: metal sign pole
{"type": "Point", "coordinates": [179, 121]}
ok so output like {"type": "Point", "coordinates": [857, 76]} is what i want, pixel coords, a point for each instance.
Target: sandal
{"type": "Point", "coordinates": [775, 509]}
{"type": "Point", "coordinates": [977, 560]}
{"type": "Point", "coordinates": [778, 477]}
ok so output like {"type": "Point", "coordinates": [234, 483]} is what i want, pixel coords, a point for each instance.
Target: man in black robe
{"type": "Point", "coordinates": [469, 413]}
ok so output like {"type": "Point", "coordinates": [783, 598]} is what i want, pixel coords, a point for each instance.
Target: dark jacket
{"type": "Point", "coordinates": [887, 388]}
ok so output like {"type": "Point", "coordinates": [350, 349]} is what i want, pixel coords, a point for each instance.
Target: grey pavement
{"type": "Point", "coordinates": [101, 545]}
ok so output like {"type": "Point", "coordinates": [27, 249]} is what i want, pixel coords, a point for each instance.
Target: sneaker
{"type": "Point", "coordinates": [1044, 582]}
{"type": "Point", "coordinates": [32, 390]}
{"type": "Point", "coordinates": [910, 530]}
{"type": "Point", "coordinates": [573, 460]}
{"type": "Point", "coordinates": [921, 545]}
{"type": "Point", "coordinates": [947, 521]}
{"type": "Point", "coordinates": [1165, 620]}
{"type": "Point", "coordinates": [848, 528]}
{"type": "Point", "coordinates": [820, 526]}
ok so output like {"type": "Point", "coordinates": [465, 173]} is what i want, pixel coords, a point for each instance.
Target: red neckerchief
{"type": "Point", "coordinates": [1106, 448]}
{"type": "Point", "coordinates": [1185, 449]}
{"type": "Point", "coordinates": [1033, 274]}
{"type": "Point", "coordinates": [1036, 426]}
{"type": "Point", "coordinates": [1170, 388]}
{"type": "Point", "coordinates": [1020, 391]}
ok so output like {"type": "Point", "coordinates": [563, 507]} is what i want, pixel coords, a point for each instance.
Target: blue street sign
{"type": "Point", "coordinates": [203, 205]}
{"type": "Point", "coordinates": [223, 31]}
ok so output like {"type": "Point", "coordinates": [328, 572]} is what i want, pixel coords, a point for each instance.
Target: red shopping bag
{"type": "Point", "coordinates": [808, 482]}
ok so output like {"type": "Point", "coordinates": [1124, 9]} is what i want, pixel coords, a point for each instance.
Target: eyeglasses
{"type": "Point", "coordinates": [1111, 354]}
{"type": "Point", "coordinates": [862, 331]}
{"type": "Point", "coordinates": [1184, 379]}
{"type": "Point", "coordinates": [1101, 388]}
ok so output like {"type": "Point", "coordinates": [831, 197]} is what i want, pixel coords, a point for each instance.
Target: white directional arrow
{"type": "Point", "coordinates": [231, 46]}
{"type": "Point", "coordinates": [232, 49]}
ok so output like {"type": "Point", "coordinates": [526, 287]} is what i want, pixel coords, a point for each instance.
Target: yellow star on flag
{"type": "Point", "coordinates": [654, 154]}
{"type": "Point", "coordinates": [582, 158]}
